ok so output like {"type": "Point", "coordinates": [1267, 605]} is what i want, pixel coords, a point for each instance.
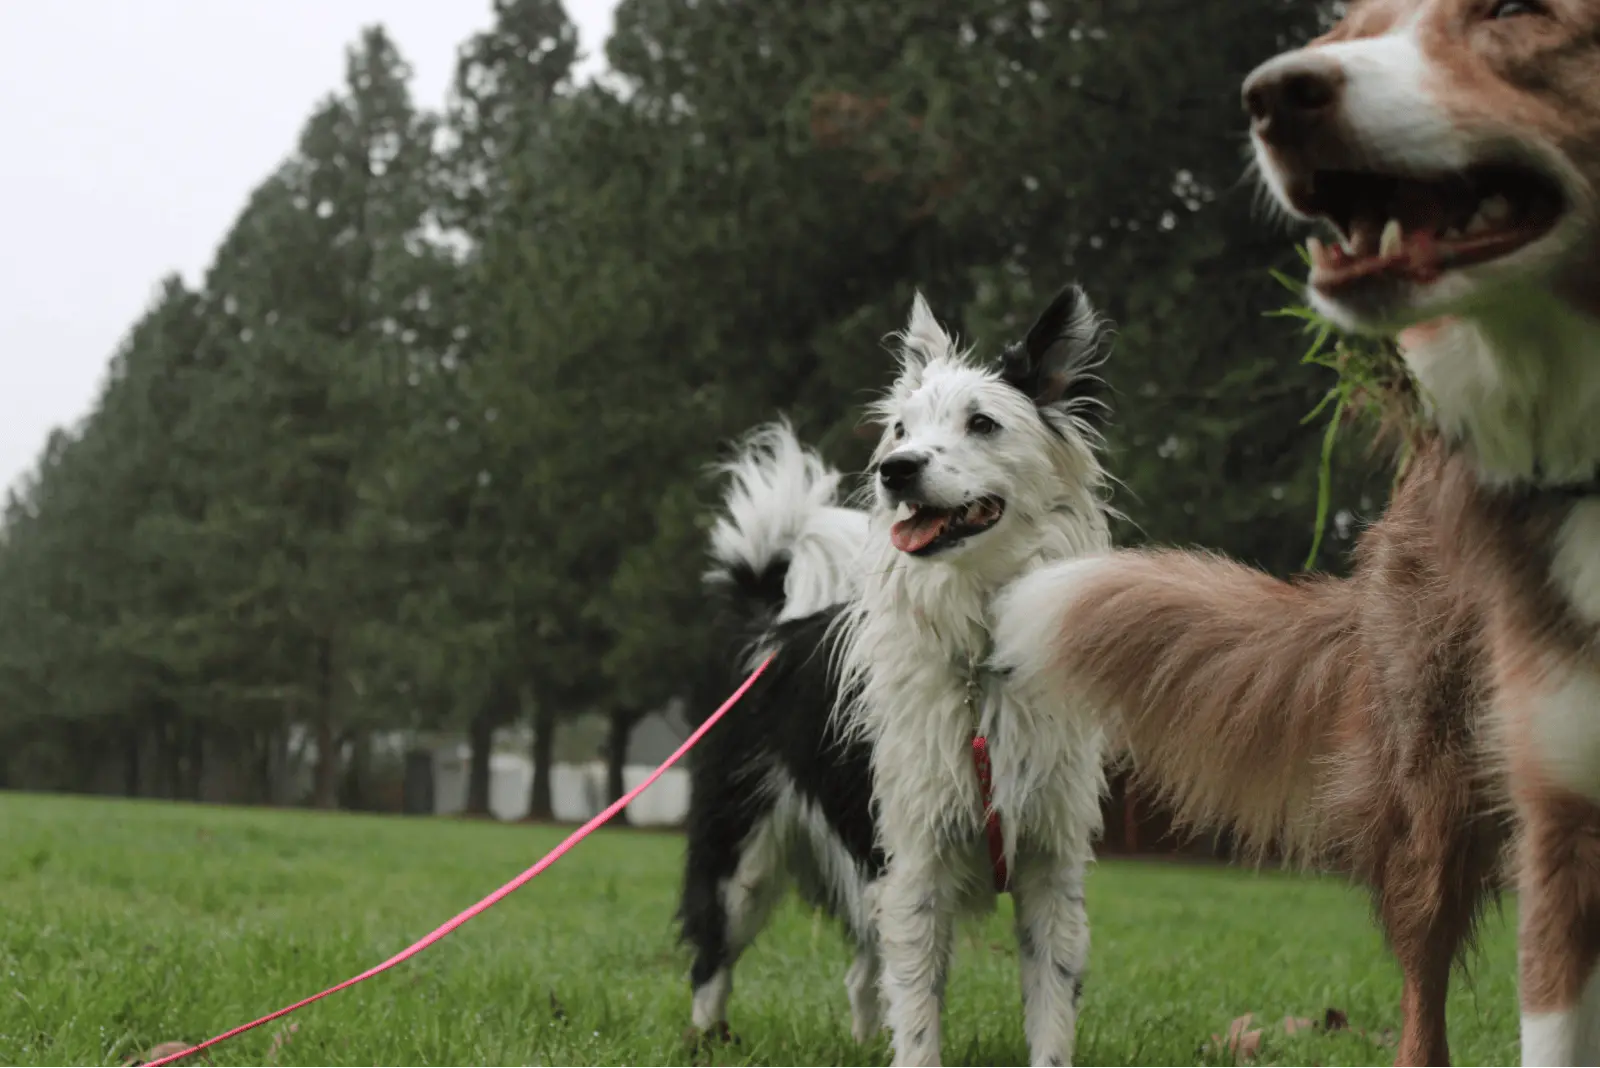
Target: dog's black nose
{"type": "Point", "coordinates": [1288, 96]}
{"type": "Point", "coordinates": [900, 472]}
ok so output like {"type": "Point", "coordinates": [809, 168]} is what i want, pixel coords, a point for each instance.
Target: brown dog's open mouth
{"type": "Point", "coordinates": [927, 529]}
{"type": "Point", "coordinates": [1416, 228]}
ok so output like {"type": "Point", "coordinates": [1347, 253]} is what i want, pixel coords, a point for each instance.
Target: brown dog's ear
{"type": "Point", "coordinates": [1055, 363]}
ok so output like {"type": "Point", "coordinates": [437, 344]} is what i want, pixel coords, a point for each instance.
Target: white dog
{"type": "Point", "coordinates": [982, 474]}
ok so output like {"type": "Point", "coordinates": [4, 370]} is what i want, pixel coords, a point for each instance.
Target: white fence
{"type": "Point", "coordinates": [578, 791]}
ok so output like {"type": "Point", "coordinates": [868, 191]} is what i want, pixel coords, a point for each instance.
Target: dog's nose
{"type": "Point", "coordinates": [900, 471]}
{"type": "Point", "coordinates": [1288, 95]}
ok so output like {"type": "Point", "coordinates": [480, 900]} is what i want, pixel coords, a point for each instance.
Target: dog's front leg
{"type": "Point", "coordinates": [1053, 949]}
{"type": "Point", "coordinates": [916, 918]}
{"type": "Point", "coordinates": [866, 1001]}
{"type": "Point", "coordinates": [1558, 940]}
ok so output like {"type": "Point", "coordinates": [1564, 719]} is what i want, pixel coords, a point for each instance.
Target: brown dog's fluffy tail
{"type": "Point", "coordinates": [1229, 689]}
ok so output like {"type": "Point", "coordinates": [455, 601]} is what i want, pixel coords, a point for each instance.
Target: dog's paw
{"type": "Point", "coordinates": [718, 1034]}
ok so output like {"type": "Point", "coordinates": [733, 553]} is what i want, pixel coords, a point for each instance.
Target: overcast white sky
{"type": "Point", "coordinates": [134, 129]}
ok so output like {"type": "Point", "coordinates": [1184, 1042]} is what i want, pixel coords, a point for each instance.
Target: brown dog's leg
{"type": "Point", "coordinates": [1431, 886]}
{"type": "Point", "coordinates": [1559, 936]}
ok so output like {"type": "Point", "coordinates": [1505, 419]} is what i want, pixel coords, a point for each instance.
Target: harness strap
{"type": "Point", "coordinates": [991, 825]}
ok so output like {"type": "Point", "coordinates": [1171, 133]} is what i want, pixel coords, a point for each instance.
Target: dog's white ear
{"type": "Point", "coordinates": [924, 338]}
{"type": "Point", "coordinates": [1056, 362]}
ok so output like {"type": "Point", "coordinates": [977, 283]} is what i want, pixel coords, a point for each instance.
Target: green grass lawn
{"type": "Point", "coordinates": [127, 924]}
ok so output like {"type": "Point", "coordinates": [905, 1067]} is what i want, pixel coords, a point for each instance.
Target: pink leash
{"type": "Point", "coordinates": [991, 819]}
{"type": "Point", "coordinates": [495, 898]}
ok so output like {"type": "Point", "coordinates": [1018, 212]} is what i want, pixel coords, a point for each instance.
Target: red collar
{"type": "Point", "coordinates": [991, 826]}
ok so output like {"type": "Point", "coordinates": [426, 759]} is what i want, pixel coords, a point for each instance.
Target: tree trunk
{"type": "Point", "coordinates": [621, 728]}
{"type": "Point", "coordinates": [499, 707]}
{"type": "Point", "coordinates": [130, 762]}
{"type": "Point", "coordinates": [541, 802]}
{"type": "Point", "coordinates": [195, 763]}
{"type": "Point", "coordinates": [261, 748]}
{"type": "Point", "coordinates": [481, 738]}
{"type": "Point", "coordinates": [82, 754]}
{"type": "Point", "coordinates": [325, 779]}
{"type": "Point", "coordinates": [358, 776]}
{"type": "Point", "coordinates": [171, 761]}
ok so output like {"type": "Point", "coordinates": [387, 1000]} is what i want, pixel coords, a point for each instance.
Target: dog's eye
{"type": "Point", "coordinates": [981, 424]}
{"type": "Point", "coordinates": [1510, 9]}
{"type": "Point", "coordinates": [899, 431]}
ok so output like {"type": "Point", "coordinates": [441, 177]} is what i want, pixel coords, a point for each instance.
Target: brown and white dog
{"type": "Point", "coordinates": [1414, 721]}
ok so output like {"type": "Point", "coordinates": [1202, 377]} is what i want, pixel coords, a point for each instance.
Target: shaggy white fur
{"type": "Point", "coordinates": [781, 501]}
{"type": "Point", "coordinates": [962, 440]}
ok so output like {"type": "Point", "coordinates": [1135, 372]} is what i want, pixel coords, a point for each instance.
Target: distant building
{"type": "Point", "coordinates": [578, 774]}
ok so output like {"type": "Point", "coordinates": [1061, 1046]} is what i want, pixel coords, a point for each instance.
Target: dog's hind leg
{"type": "Point", "coordinates": [863, 982]}
{"type": "Point", "coordinates": [705, 927]}
{"type": "Point", "coordinates": [728, 898]}
{"type": "Point", "coordinates": [1053, 950]}
{"type": "Point", "coordinates": [916, 922]}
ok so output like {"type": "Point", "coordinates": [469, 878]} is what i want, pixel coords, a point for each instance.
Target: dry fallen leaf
{"type": "Point", "coordinates": [1242, 1041]}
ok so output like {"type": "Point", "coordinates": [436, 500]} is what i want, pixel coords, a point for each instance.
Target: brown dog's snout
{"type": "Point", "coordinates": [1291, 95]}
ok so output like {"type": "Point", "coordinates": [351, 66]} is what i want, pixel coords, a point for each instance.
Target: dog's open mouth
{"type": "Point", "coordinates": [925, 529]}
{"type": "Point", "coordinates": [1410, 228]}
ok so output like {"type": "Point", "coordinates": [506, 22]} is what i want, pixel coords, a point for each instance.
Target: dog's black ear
{"type": "Point", "coordinates": [1055, 364]}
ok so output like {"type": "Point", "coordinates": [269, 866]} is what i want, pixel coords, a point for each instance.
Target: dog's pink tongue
{"type": "Point", "coordinates": [916, 532]}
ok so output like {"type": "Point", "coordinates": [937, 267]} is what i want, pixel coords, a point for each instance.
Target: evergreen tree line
{"type": "Point", "coordinates": [426, 449]}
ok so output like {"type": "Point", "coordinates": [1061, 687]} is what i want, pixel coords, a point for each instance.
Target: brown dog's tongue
{"type": "Point", "coordinates": [918, 531]}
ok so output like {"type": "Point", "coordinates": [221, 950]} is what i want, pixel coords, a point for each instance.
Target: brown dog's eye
{"type": "Point", "coordinates": [981, 424]}
{"type": "Point", "coordinates": [899, 431]}
{"type": "Point", "coordinates": [1510, 9]}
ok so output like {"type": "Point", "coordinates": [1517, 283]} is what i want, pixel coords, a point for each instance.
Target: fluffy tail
{"type": "Point", "coordinates": [783, 545]}
{"type": "Point", "coordinates": [1232, 691]}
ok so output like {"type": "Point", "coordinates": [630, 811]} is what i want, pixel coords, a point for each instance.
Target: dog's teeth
{"type": "Point", "coordinates": [1390, 241]}
{"type": "Point", "coordinates": [905, 510]}
{"type": "Point", "coordinates": [1315, 250]}
{"type": "Point", "coordinates": [1451, 233]}
{"type": "Point", "coordinates": [1494, 210]}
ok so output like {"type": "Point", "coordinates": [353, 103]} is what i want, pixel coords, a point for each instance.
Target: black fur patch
{"type": "Point", "coordinates": [1055, 363]}
{"type": "Point", "coordinates": [782, 726]}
